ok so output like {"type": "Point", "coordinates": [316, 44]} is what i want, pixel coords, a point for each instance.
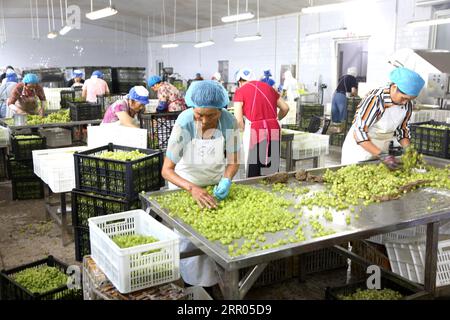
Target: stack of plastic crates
{"type": "Point", "coordinates": [352, 105]}
{"type": "Point", "coordinates": [431, 138]}
{"type": "Point", "coordinates": [105, 187]}
{"type": "Point", "coordinates": [11, 290]}
{"type": "Point", "coordinates": [306, 145]}
{"type": "Point", "coordinates": [337, 139]}
{"type": "Point", "coordinates": [25, 184]}
{"type": "Point", "coordinates": [66, 96]}
{"type": "Point", "coordinates": [307, 111]}
{"type": "Point", "coordinates": [159, 127]}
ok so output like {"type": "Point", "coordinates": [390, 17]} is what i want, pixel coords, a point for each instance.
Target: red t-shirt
{"type": "Point", "coordinates": [260, 107]}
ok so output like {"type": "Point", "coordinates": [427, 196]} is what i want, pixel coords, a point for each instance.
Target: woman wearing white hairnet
{"type": "Point", "coordinates": [382, 115]}
{"type": "Point", "coordinates": [202, 150]}
{"type": "Point", "coordinates": [347, 84]}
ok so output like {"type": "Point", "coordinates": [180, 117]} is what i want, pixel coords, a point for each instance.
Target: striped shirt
{"type": "Point", "coordinates": [372, 108]}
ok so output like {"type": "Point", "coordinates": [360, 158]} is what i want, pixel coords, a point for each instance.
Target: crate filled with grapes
{"type": "Point", "coordinates": [23, 145]}
{"type": "Point", "coordinates": [27, 189]}
{"type": "Point", "coordinates": [431, 138]}
{"type": "Point", "coordinates": [134, 250]}
{"type": "Point", "coordinates": [118, 171]}
{"type": "Point", "coordinates": [45, 279]}
{"type": "Point", "coordinates": [20, 169]}
{"type": "Point", "coordinates": [389, 290]}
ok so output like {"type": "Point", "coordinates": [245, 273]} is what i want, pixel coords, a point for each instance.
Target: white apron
{"type": "Point", "coordinates": [246, 138]}
{"type": "Point", "coordinates": [381, 134]}
{"type": "Point", "coordinates": [203, 163]}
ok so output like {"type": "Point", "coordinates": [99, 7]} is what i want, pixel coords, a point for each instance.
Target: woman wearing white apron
{"type": "Point", "coordinates": [123, 112]}
{"type": "Point", "coordinates": [384, 114]}
{"type": "Point", "coordinates": [202, 150]}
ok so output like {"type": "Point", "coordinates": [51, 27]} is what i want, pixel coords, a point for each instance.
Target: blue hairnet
{"type": "Point", "coordinates": [409, 82]}
{"type": "Point", "coordinates": [267, 73]}
{"type": "Point", "coordinates": [78, 74]}
{"type": "Point", "coordinates": [207, 94]}
{"type": "Point", "coordinates": [139, 94]}
{"type": "Point", "coordinates": [11, 77]}
{"type": "Point", "coordinates": [153, 80]}
{"type": "Point", "coordinates": [30, 78]}
{"type": "Point", "coordinates": [269, 81]}
{"type": "Point", "coordinates": [98, 74]}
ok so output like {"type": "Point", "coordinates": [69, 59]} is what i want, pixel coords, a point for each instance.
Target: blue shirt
{"type": "Point", "coordinates": [184, 132]}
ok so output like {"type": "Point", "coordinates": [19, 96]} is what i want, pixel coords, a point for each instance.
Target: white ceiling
{"type": "Point", "coordinates": [133, 12]}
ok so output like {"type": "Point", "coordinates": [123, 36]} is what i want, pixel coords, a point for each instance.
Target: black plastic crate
{"type": "Point", "coordinates": [307, 111]}
{"type": "Point", "coordinates": [27, 189]}
{"type": "Point", "coordinates": [124, 179]}
{"type": "Point", "coordinates": [403, 288]}
{"type": "Point", "coordinates": [431, 141]}
{"type": "Point", "coordinates": [159, 127]}
{"type": "Point", "coordinates": [22, 148]}
{"type": "Point", "coordinates": [106, 101]}
{"type": "Point", "coordinates": [3, 163]}
{"type": "Point", "coordinates": [82, 111]}
{"type": "Point", "coordinates": [20, 169]}
{"type": "Point", "coordinates": [337, 139]}
{"type": "Point", "coordinates": [82, 242]}
{"type": "Point", "coordinates": [87, 205]}
{"type": "Point", "coordinates": [66, 96]}
{"type": "Point", "coordinates": [11, 290]}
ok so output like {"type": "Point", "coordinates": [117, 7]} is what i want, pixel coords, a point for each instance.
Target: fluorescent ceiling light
{"type": "Point", "coordinates": [238, 17]}
{"type": "Point", "coordinates": [327, 33]}
{"type": "Point", "coordinates": [169, 45]}
{"type": "Point", "coordinates": [430, 2]}
{"type": "Point", "coordinates": [52, 35]}
{"type": "Point", "coordinates": [65, 30]}
{"type": "Point", "coordinates": [204, 44]}
{"type": "Point", "coordinates": [428, 22]}
{"type": "Point", "coordinates": [102, 13]}
{"type": "Point", "coordinates": [247, 38]}
{"type": "Point", "coordinates": [335, 6]}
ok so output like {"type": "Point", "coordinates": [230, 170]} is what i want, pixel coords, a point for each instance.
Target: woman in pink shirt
{"type": "Point", "coordinates": [95, 86]}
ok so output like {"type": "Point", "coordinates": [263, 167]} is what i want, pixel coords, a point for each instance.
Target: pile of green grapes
{"type": "Point", "coordinates": [61, 116]}
{"type": "Point", "coordinates": [121, 155]}
{"type": "Point", "coordinates": [41, 280]}
{"type": "Point", "coordinates": [132, 240]}
{"type": "Point", "coordinates": [19, 137]}
{"type": "Point", "coordinates": [385, 294]}
{"type": "Point", "coordinates": [247, 213]}
{"type": "Point", "coordinates": [438, 127]}
{"type": "Point", "coordinates": [355, 185]}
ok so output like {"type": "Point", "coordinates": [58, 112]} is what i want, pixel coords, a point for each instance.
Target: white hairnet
{"type": "Point", "coordinates": [217, 76]}
{"type": "Point", "coordinates": [353, 71]}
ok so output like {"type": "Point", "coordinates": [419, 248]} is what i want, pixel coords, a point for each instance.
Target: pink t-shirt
{"type": "Point", "coordinates": [95, 87]}
{"type": "Point", "coordinates": [111, 113]}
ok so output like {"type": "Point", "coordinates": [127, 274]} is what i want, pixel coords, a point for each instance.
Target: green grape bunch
{"type": "Point", "coordinates": [41, 279]}
{"type": "Point", "coordinates": [370, 294]}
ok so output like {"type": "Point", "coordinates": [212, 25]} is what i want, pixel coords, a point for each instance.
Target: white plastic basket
{"type": "Point", "coordinates": [134, 268]}
{"type": "Point", "coordinates": [40, 157]}
{"type": "Point", "coordinates": [57, 137]}
{"type": "Point", "coordinates": [99, 136]}
{"type": "Point", "coordinates": [59, 173]}
{"type": "Point", "coordinates": [4, 136]}
{"type": "Point", "coordinates": [306, 145]}
{"type": "Point", "coordinates": [408, 260]}
{"type": "Point", "coordinates": [53, 96]}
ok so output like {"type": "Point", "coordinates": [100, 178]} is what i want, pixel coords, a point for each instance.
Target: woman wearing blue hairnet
{"type": "Point", "coordinates": [77, 79]}
{"type": "Point", "coordinates": [382, 115]}
{"type": "Point", "coordinates": [122, 112]}
{"type": "Point", "coordinates": [5, 91]}
{"type": "Point", "coordinates": [28, 96]}
{"type": "Point", "coordinates": [202, 150]}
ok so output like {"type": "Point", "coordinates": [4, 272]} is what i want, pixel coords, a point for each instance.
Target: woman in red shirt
{"type": "Point", "coordinates": [258, 102]}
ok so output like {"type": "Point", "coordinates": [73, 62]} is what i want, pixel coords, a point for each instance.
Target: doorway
{"type": "Point", "coordinates": [353, 54]}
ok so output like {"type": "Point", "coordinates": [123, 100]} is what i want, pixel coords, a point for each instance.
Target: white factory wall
{"type": "Point", "coordinates": [90, 46]}
{"type": "Point", "coordinates": [385, 30]}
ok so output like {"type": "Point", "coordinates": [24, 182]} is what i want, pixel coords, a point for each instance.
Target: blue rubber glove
{"type": "Point", "coordinates": [162, 106]}
{"type": "Point", "coordinates": [222, 190]}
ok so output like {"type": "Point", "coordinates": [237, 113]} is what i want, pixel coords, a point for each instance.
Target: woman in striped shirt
{"type": "Point", "coordinates": [382, 115]}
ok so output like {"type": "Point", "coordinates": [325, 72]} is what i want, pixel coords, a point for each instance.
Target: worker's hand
{"type": "Point", "coordinates": [222, 190]}
{"type": "Point", "coordinates": [203, 198]}
{"type": "Point", "coordinates": [391, 162]}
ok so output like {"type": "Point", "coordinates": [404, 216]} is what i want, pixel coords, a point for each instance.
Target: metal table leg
{"type": "Point", "coordinates": [431, 257]}
{"type": "Point", "coordinates": [289, 163]}
{"type": "Point", "coordinates": [315, 162]}
{"type": "Point", "coordinates": [64, 228]}
{"type": "Point", "coordinates": [230, 285]}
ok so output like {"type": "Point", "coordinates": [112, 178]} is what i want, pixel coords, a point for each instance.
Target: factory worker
{"type": "Point", "coordinates": [385, 113]}
{"type": "Point", "coordinates": [347, 85]}
{"type": "Point", "coordinates": [5, 91]}
{"type": "Point", "coordinates": [290, 85]}
{"type": "Point", "coordinates": [258, 103]}
{"type": "Point", "coordinates": [3, 75]}
{"type": "Point", "coordinates": [202, 150]}
{"type": "Point", "coordinates": [77, 80]}
{"type": "Point", "coordinates": [122, 112]}
{"type": "Point", "coordinates": [95, 86]}
{"type": "Point", "coordinates": [169, 97]}
{"type": "Point", "coordinates": [267, 78]}
{"type": "Point", "coordinates": [28, 96]}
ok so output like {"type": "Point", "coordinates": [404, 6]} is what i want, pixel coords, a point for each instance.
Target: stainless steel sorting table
{"type": "Point", "coordinates": [408, 211]}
